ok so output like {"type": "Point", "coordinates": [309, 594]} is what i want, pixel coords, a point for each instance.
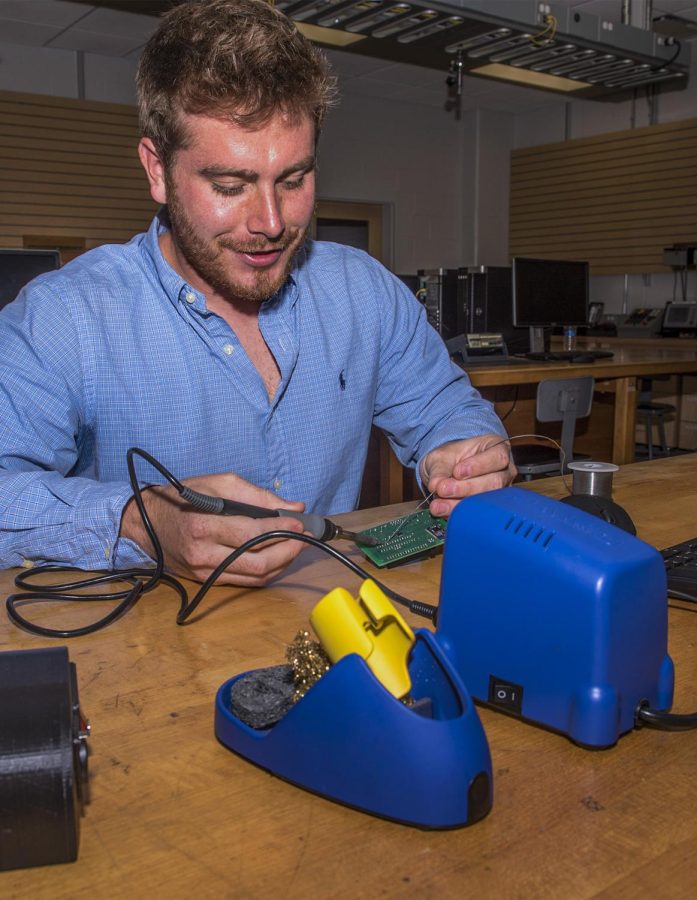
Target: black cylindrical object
{"type": "Point", "coordinates": [43, 758]}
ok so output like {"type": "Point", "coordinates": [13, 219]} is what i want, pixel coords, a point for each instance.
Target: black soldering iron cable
{"type": "Point", "coordinates": [144, 580]}
{"type": "Point", "coordinates": [415, 606]}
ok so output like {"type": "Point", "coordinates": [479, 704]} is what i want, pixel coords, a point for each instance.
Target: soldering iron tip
{"type": "Point", "coordinates": [364, 540]}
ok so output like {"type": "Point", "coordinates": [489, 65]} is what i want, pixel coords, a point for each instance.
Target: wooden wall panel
{"type": "Point", "coordinates": [616, 199]}
{"type": "Point", "coordinates": [69, 170]}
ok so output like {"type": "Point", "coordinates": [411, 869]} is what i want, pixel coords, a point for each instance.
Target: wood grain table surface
{"type": "Point", "coordinates": [176, 814]}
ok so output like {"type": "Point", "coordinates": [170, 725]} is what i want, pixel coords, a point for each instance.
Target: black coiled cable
{"type": "Point", "coordinates": [144, 580]}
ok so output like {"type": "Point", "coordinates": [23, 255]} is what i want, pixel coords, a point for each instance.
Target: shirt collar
{"type": "Point", "coordinates": [178, 290]}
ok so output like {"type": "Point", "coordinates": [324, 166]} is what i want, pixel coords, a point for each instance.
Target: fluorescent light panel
{"type": "Point", "coordinates": [427, 30]}
{"type": "Point", "coordinates": [527, 78]}
{"type": "Point", "coordinates": [385, 15]}
{"type": "Point", "coordinates": [333, 19]}
{"type": "Point", "coordinates": [328, 35]}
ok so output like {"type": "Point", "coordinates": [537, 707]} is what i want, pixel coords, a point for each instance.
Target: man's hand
{"type": "Point", "coordinates": [194, 543]}
{"type": "Point", "coordinates": [461, 468]}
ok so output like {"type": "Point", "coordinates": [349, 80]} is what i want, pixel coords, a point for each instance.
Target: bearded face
{"type": "Point", "coordinates": [240, 204]}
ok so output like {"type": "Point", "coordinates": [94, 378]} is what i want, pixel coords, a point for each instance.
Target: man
{"type": "Point", "coordinates": [250, 361]}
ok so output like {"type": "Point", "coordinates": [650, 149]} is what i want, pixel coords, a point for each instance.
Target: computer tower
{"type": "Point", "coordinates": [487, 300]}
{"type": "Point", "coordinates": [438, 291]}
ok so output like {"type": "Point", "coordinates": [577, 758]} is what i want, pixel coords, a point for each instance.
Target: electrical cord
{"type": "Point", "coordinates": [145, 580]}
{"type": "Point", "coordinates": [415, 606]}
{"type": "Point", "coordinates": [664, 721]}
{"type": "Point", "coordinates": [544, 37]}
{"type": "Point", "coordinates": [672, 41]}
{"type": "Point", "coordinates": [674, 594]}
{"type": "Point", "coordinates": [512, 407]}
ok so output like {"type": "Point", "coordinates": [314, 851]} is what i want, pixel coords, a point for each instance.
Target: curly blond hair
{"type": "Point", "coordinates": [241, 60]}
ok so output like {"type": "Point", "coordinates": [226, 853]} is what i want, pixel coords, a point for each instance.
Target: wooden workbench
{"type": "Point", "coordinates": [175, 814]}
{"type": "Point", "coordinates": [617, 376]}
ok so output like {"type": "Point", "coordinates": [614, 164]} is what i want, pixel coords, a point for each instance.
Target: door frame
{"type": "Point", "coordinates": [370, 213]}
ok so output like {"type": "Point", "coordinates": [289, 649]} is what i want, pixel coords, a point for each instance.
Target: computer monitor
{"type": "Point", "coordinates": [549, 292]}
{"type": "Point", "coordinates": [680, 318]}
{"type": "Point", "coordinates": [18, 267]}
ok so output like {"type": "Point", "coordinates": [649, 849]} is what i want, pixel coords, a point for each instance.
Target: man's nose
{"type": "Point", "coordinates": [266, 216]}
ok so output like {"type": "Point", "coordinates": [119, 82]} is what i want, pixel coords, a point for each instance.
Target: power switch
{"type": "Point", "coordinates": [506, 695]}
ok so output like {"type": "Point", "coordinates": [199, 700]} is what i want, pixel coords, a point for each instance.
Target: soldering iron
{"type": "Point", "coordinates": [318, 526]}
{"type": "Point", "coordinates": [139, 582]}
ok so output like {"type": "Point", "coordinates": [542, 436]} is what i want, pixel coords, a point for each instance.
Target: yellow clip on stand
{"type": "Point", "coordinates": [369, 626]}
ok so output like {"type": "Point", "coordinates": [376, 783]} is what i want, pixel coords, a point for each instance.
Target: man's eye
{"type": "Point", "coordinates": [228, 190]}
{"type": "Point", "coordinates": [294, 183]}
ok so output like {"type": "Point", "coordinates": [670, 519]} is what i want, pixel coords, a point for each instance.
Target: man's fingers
{"type": "Point", "coordinates": [446, 474]}
{"type": "Point", "coordinates": [493, 459]}
{"type": "Point", "coordinates": [442, 506]}
{"type": "Point", "coordinates": [257, 567]}
{"type": "Point", "coordinates": [250, 528]}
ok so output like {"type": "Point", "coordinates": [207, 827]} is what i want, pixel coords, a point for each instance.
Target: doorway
{"type": "Point", "coordinates": [356, 224]}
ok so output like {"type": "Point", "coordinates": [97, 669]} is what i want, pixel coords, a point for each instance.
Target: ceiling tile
{"type": "Point", "coordinates": [45, 12]}
{"type": "Point", "coordinates": [27, 33]}
{"type": "Point", "coordinates": [89, 42]}
{"type": "Point", "coordinates": [102, 20]}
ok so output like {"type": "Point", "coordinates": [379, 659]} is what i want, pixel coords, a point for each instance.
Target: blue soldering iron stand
{"type": "Point", "coordinates": [350, 740]}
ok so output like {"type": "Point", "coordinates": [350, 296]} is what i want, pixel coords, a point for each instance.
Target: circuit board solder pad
{"type": "Point", "coordinates": [407, 538]}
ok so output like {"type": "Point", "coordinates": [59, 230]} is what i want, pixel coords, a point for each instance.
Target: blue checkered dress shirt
{"type": "Point", "coordinates": [116, 350]}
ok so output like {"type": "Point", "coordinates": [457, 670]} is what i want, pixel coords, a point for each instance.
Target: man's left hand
{"type": "Point", "coordinates": [461, 468]}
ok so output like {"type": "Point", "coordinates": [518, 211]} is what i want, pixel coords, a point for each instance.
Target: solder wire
{"type": "Point", "coordinates": [402, 520]}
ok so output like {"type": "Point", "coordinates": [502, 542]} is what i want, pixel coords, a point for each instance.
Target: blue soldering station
{"type": "Point", "coordinates": [554, 615]}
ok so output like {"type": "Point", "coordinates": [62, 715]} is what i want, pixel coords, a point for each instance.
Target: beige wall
{"type": "Point", "coordinates": [69, 172]}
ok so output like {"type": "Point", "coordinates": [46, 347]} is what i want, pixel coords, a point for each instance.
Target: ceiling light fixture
{"type": "Point", "coordinates": [327, 35]}
{"type": "Point", "coordinates": [529, 79]}
{"type": "Point", "coordinates": [530, 42]}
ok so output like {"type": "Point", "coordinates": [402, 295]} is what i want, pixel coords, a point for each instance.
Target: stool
{"type": "Point", "coordinates": [654, 412]}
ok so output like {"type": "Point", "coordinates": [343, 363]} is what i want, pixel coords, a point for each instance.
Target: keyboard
{"type": "Point", "coordinates": [579, 355]}
{"type": "Point", "coordinates": [681, 568]}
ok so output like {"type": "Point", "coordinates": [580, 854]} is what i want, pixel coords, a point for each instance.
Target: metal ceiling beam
{"type": "Point", "coordinates": [561, 47]}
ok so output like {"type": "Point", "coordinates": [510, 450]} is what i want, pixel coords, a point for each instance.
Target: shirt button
{"type": "Point", "coordinates": [190, 297]}
{"type": "Point", "coordinates": [228, 349]}
{"type": "Point", "coordinates": [277, 484]}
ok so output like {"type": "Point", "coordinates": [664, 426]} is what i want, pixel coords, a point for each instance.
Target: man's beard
{"type": "Point", "coordinates": [208, 259]}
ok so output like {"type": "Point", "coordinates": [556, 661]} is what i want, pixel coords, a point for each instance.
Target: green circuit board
{"type": "Point", "coordinates": [402, 540]}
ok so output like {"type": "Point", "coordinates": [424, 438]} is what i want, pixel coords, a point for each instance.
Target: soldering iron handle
{"type": "Point", "coordinates": [316, 525]}
{"type": "Point", "coordinates": [319, 527]}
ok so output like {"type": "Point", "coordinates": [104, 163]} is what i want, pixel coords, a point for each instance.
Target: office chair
{"type": "Point", "coordinates": [558, 400]}
{"type": "Point", "coordinates": [650, 411]}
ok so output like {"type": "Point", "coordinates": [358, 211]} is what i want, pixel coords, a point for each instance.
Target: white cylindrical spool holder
{"type": "Point", "coordinates": [593, 477]}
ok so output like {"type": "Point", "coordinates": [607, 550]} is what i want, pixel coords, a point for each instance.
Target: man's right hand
{"type": "Point", "coordinates": [194, 543]}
